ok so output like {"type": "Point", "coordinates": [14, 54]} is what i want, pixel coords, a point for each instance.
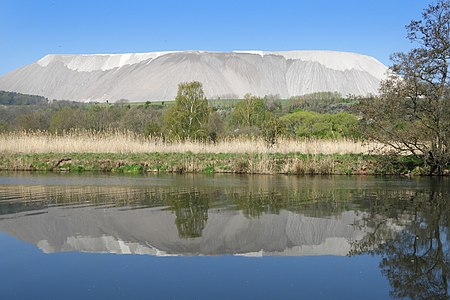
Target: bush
{"type": "Point", "coordinates": [315, 125]}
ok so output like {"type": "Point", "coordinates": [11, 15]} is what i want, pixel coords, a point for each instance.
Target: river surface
{"type": "Point", "coordinates": [88, 236]}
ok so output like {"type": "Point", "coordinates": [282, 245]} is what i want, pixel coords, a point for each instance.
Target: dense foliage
{"type": "Point", "coordinates": [315, 125]}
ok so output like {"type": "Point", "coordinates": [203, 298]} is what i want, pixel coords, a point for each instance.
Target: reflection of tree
{"type": "Point", "coordinates": [253, 205]}
{"type": "Point", "coordinates": [310, 202]}
{"type": "Point", "coordinates": [412, 237]}
{"type": "Point", "coordinates": [191, 210]}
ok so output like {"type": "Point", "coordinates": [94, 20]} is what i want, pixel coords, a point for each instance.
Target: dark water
{"type": "Point", "coordinates": [223, 237]}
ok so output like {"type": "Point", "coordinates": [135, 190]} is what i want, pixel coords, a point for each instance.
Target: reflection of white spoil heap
{"type": "Point", "coordinates": [155, 75]}
{"type": "Point", "coordinates": [150, 231]}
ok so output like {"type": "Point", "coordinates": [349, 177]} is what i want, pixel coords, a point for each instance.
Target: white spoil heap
{"type": "Point", "coordinates": [156, 75]}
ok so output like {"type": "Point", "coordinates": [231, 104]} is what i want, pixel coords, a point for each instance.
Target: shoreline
{"type": "Point", "coordinates": [212, 163]}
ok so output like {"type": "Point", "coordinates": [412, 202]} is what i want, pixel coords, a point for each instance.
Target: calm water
{"type": "Point", "coordinates": [223, 237]}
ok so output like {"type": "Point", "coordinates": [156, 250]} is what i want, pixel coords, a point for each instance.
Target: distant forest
{"type": "Point", "coordinates": [12, 98]}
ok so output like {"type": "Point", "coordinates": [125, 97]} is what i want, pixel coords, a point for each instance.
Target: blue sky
{"type": "Point", "coordinates": [30, 29]}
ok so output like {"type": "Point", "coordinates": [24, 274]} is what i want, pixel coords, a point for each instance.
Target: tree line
{"type": "Point", "coordinates": [12, 98]}
{"type": "Point", "coordinates": [191, 116]}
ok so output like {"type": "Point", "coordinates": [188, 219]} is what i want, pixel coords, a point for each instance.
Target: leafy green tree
{"type": "Point", "coordinates": [188, 118]}
{"type": "Point", "coordinates": [412, 113]}
{"type": "Point", "coordinates": [250, 112]}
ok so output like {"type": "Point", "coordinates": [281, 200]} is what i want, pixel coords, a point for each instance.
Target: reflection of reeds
{"type": "Point", "coordinates": [260, 195]}
{"type": "Point", "coordinates": [78, 195]}
{"type": "Point", "coordinates": [128, 142]}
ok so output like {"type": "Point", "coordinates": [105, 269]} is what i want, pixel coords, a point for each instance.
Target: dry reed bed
{"type": "Point", "coordinates": [126, 142]}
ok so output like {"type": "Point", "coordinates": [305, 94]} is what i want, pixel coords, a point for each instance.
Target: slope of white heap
{"type": "Point", "coordinates": [97, 62]}
{"type": "Point", "coordinates": [339, 61]}
{"type": "Point", "coordinates": [155, 75]}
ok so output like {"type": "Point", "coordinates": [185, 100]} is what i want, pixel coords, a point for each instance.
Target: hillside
{"type": "Point", "coordinates": [155, 75]}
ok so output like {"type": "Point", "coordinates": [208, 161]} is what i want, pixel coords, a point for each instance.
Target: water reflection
{"type": "Point", "coordinates": [412, 237]}
{"type": "Point", "coordinates": [404, 222]}
{"type": "Point", "coordinates": [191, 211]}
{"type": "Point", "coordinates": [184, 215]}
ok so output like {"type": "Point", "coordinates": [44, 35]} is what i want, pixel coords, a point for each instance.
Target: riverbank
{"type": "Point", "coordinates": [239, 163]}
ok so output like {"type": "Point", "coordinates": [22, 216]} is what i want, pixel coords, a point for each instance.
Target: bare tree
{"type": "Point", "coordinates": [412, 113]}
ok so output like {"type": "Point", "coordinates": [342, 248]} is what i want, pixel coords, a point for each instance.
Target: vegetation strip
{"type": "Point", "coordinates": [270, 163]}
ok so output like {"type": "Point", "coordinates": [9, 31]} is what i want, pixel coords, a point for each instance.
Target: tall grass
{"type": "Point", "coordinates": [128, 142]}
